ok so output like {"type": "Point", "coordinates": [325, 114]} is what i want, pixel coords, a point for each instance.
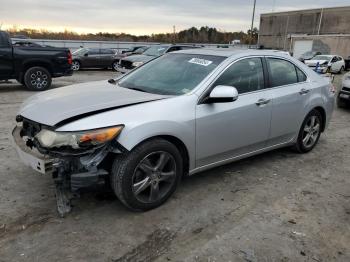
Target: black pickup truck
{"type": "Point", "coordinates": [33, 66]}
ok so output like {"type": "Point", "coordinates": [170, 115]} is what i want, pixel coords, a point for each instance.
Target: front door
{"type": "Point", "coordinates": [228, 130]}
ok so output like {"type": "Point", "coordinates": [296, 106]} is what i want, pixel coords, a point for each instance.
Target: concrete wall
{"type": "Point", "coordinates": [276, 28]}
{"type": "Point", "coordinates": [335, 45]}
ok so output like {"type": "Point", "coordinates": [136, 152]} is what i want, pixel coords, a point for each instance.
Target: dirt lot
{"type": "Point", "coordinates": [279, 206]}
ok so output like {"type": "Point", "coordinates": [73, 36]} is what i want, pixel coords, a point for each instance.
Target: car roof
{"type": "Point", "coordinates": [231, 52]}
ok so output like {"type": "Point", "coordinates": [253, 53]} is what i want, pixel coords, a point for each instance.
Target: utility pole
{"type": "Point", "coordinates": [251, 28]}
{"type": "Point", "coordinates": [174, 35]}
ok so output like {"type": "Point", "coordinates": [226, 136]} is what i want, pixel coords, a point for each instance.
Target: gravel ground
{"type": "Point", "coordinates": [278, 206]}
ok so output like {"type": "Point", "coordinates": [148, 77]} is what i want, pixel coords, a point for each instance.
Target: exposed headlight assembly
{"type": "Point", "coordinates": [137, 64]}
{"type": "Point", "coordinates": [77, 140]}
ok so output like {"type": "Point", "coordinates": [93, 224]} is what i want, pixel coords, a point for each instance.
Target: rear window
{"type": "Point", "coordinates": [301, 76]}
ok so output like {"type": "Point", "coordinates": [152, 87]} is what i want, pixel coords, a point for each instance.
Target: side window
{"type": "Point", "coordinates": [282, 72]}
{"type": "Point", "coordinates": [106, 51]}
{"type": "Point", "coordinates": [94, 51]}
{"type": "Point", "coordinates": [246, 75]}
{"type": "Point", "coordinates": [301, 76]}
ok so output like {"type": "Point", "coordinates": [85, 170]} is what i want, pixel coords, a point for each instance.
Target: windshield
{"type": "Point", "coordinates": [156, 50]}
{"type": "Point", "coordinates": [171, 74]}
{"type": "Point", "coordinates": [322, 57]}
{"type": "Point", "coordinates": [80, 51]}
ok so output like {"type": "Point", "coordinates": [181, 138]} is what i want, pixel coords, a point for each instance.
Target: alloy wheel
{"type": "Point", "coordinates": [311, 131]}
{"type": "Point", "coordinates": [39, 79]}
{"type": "Point", "coordinates": [75, 65]}
{"type": "Point", "coordinates": [154, 177]}
{"type": "Point", "coordinates": [115, 66]}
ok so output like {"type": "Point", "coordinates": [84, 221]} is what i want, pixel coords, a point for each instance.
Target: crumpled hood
{"type": "Point", "coordinates": [139, 58]}
{"type": "Point", "coordinates": [314, 62]}
{"type": "Point", "coordinates": [54, 106]}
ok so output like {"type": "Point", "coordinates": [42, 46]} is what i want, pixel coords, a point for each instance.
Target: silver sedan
{"type": "Point", "coordinates": [179, 114]}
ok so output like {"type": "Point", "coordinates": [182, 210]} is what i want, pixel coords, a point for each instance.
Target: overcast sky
{"type": "Point", "coordinates": [143, 16]}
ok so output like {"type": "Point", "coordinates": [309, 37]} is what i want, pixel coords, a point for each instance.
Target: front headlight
{"type": "Point", "coordinates": [137, 64]}
{"type": "Point", "coordinates": [77, 140]}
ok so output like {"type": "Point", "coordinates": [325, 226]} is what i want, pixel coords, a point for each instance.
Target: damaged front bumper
{"type": "Point", "coordinates": [30, 156]}
{"type": "Point", "coordinates": [70, 172]}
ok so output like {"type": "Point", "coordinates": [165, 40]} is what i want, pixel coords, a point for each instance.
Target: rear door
{"type": "Point", "coordinates": [6, 61]}
{"type": "Point", "coordinates": [106, 57]}
{"type": "Point", "coordinates": [290, 90]}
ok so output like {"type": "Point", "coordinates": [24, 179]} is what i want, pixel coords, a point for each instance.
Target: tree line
{"type": "Point", "coordinates": [203, 34]}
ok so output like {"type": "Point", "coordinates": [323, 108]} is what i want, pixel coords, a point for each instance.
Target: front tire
{"type": "Point", "coordinates": [148, 175]}
{"type": "Point", "coordinates": [37, 79]}
{"type": "Point", "coordinates": [310, 132]}
{"type": "Point", "coordinates": [115, 65]}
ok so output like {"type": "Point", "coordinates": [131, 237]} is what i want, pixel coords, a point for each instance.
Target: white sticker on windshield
{"type": "Point", "coordinates": [200, 61]}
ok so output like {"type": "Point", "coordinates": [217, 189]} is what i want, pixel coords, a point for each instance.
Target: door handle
{"type": "Point", "coordinates": [304, 91]}
{"type": "Point", "coordinates": [262, 102]}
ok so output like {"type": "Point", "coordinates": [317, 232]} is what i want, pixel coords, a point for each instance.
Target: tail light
{"type": "Point", "coordinates": [70, 59]}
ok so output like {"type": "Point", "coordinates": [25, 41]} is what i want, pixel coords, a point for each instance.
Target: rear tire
{"type": "Point", "coordinates": [76, 65]}
{"type": "Point", "coordinates": [37, 78]}
{"type": "Point", "coordinates": [310, 132]}
{"type": "Point", "coordinates": [147, 176]}
{"type": "Point", "coordinates": [342, 69]}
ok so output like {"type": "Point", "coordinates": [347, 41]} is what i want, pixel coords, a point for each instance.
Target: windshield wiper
{"type": "Point", "coordinates": [137, 89]}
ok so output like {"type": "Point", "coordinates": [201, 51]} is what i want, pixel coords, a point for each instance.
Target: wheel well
{"type": "Point", "coordinates": [180, 146]}
{"type": "Point", "coordinates": [45, 65]}
{"type": "Point", "coordinates": [323, 114]}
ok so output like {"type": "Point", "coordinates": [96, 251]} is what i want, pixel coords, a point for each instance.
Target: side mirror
{"type": "Point", "coordinates": [222, 94]}
{"type": "Point", "coordinates": [86, 54]}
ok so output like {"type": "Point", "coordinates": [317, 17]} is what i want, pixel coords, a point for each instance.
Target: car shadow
{"type": "Point", "coordinates": [92, 200]}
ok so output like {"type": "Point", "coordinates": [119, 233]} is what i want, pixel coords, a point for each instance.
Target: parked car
{"type": "Point", "coordinates": [344, 93]}
{"type": "Point", "coordinates": [327, 63]}
{"type": "Point", "coordinates": [180, 114]}
{"type": "Point", "coordinates": [94, 58]}
{"type": "Point", "coordinates": [131, 62]}
{"type": "Point", "coordinates": [137, 50]}
{"type": "Point", "coordinates": [308, 55]}
{"type": "Point", "coordinates": [33, 66]}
